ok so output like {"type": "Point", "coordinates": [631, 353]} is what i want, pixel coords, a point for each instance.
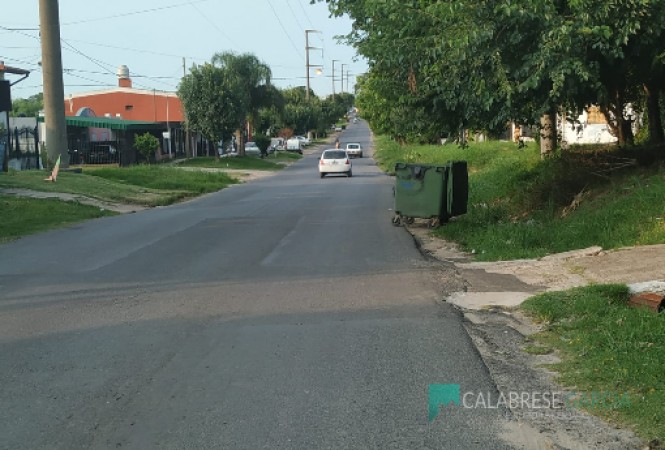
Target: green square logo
{"type": "Point", "coordinates": [442, 394]}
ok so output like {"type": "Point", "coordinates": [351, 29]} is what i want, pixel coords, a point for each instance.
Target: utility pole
{"type": "Point", "coordinates": [54, 90]}
{"type": "Point", "coordinates": [333, 76]}
{"type": "Point", "coordinates": [307, 64]}
{"type": "Point", "coordinates": [342, 77]}
{"type": "Point", "coordinates": [188, 137]}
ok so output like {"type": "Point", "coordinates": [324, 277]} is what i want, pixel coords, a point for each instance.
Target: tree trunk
{"type": "Point", "coordinates": [623, 126]}
{"type": "Point", "coordinates": [656, 135]}
{"type": "Point", "coordinates": [547, 134]}
{"type": "Point", "coordinates": [240, 143]}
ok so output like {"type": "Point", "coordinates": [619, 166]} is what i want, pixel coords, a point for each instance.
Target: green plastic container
{"type": "Point", "coordinates": [420, 192]}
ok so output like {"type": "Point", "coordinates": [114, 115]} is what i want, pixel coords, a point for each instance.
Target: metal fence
{"type": "Point", "coordinates": [23, 148]}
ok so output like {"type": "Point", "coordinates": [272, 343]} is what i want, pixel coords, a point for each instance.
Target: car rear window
{"type": "Point", "coordinates": [335, 154]}
{"type": "Point", "coordinates": [353, 146]}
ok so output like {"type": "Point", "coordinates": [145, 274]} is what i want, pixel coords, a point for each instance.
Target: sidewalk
{"type": "Point", "coordinates": [509, 283]}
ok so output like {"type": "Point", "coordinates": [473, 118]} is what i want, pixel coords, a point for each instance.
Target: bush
{"type": "Point", "coordinates": [146, 144]}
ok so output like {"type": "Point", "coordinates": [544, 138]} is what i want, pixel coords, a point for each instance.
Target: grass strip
{"type": "Point", "coordinates": [22, 216]}
{"type": "Point", "coordinates": [607, 347]}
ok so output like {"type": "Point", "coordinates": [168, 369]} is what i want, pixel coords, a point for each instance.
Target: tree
{"type": "Point", "coordinates": [213, 100]}
{"type": "Point", "coordinates": [465, 63]}
{"type": "Point", "coordinates": [253, 79]}
{"type": "Point", "coordinates": [146, 144]}
{"type": "Point", "coordinates": [28, 107]}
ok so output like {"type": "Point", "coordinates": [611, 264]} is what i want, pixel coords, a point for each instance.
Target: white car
{"type": "Point", "coordinates": [354, 149]}
{"type": "Point", "coordinates": [303, 140]}
{"type": "Point", "coordinates": [251, 149]}
{"type": "Point", "coordinates": [335, 161]}
{"type": "Point", "coordinates": [294, 145]}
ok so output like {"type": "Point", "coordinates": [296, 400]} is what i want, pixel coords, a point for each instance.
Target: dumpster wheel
{"type": "Point", "coordinates": [408, 220]}
{"type": "Point", "coordinates": [433, 222]}
{"type": "Point", "coordinates": [397, 220]}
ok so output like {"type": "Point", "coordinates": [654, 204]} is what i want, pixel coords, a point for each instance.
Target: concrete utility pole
{"type": "Point", "coordinates": [307, 64]}
{"type": "Point", "coordinates": [54, 90]}
{"type": "Point", "coordinates": [188, 137]}
{"type": "Point", "coordinates": [333, 76]}
{"type": "Point", "coordinates": [342, 77]}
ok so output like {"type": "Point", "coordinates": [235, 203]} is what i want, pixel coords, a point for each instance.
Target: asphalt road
{"type": "Point", "coordinates": [283, 313]}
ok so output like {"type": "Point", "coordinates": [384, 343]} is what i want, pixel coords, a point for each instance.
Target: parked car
{"type": "Point", "coordinates": [276, 144]}
{"type": "Point", "coordinates": [251, 149]}
{"type": "Point", "coordinates": [294, 145]}
{"type": "Point", "coordinates": [335, 161]}
{"type": "Point", "coordinates": [354, 150]}
{"type": "Point", "coordinates": [99, 154]}
{"type": "Point", "coordinates": [303, 140]}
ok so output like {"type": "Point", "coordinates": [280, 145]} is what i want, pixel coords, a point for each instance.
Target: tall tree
{"type": "Point", "coordinates": [213, 101]}
{"type": "Point", "coordinates": [465, 63]}
{"type": "Point", "coordinates": [253, 76]}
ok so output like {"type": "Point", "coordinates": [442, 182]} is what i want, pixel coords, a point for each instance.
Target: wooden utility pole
{"type": "Point", "coordinates": [54, 90]}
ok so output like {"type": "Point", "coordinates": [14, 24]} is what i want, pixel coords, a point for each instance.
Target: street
{"type": "Point", "coordinates": [283, 313]}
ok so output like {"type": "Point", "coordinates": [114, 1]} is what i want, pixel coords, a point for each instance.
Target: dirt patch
{"type": "Point", "coordinates": [240, 174]}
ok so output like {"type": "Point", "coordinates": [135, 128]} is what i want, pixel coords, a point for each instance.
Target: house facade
{"type": "Point", "coordinates": [101, 125]}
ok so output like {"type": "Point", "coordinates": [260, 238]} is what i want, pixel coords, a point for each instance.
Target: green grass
{"type": "Point", "coordinates": [22, 216]}
{"type": "Point", "coordinates": [165, 178]}
{"type": "Point", "coordinates": [518, 203]}
{"type": "Point", "coordinates": [143, 185]}
{"type": "Point", "coordinates": [607, 347]}
{"type": "Point", "coordinates": [275, 161]}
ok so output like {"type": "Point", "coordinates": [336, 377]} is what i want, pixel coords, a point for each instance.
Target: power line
{"type": "Point", "coordinates": [295, 47]}
{"type": "Point", "coordinates": [137, 50]}
{"type": "Point", "coordinates": [305, 12]}
{"type": "Point", "coordinates": [293, 13]}
{"type": "Point", "coordinates": [89, 58]}
{"type": "Point", "coordinates": [133, 13]}
{"type": "Point", "coordinates": [214, 25]}
{"type": "Point", "coordinates": [102, 65]}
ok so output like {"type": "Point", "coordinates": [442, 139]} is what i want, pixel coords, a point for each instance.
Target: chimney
{"type": "Point", "coordinates": [123, 77]}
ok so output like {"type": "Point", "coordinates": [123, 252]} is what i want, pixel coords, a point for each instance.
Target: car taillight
{"type": "Point", "coordinates": [321, 162]}
{"type": "Point", "coordinates": [347, 161]}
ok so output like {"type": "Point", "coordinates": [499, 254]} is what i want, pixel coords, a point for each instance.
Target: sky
{"type": "Point", "coordinates": [151, 37]}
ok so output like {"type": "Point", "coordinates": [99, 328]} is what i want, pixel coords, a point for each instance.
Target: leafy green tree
{"type": "Point", "coordinates": [28, 107]}
{"type": "Point", "coordinates": [262, 142]}
{"type": "Point", "coordinates": [253, 79]}
{"type": "Point", "coordinates": [473, 64]}
{"type": "Point", "coordinates": [214, 101]}
{"type": "Point", "coordinates": [146, 144]}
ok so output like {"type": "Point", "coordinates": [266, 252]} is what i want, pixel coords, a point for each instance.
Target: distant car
{"type": "Point", "coordinates": [251, 149]}
{"type": "Point", "coordinates": [338, 128]}
{"type": "Point", "coordinates": [335, 161]}
{"type": "Point", "coordinates": [276, 144]}
{"type": "Point", "coordinates": [354, 150]}
{"type": "Point", "coordinates": [294, 145]}
{"type": "Point", "coordinates": [303, 140]}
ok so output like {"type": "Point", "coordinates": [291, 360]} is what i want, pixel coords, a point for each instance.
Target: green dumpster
{"type": "Point", "coordinates": [420, 192]}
